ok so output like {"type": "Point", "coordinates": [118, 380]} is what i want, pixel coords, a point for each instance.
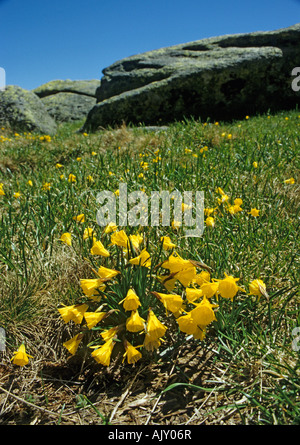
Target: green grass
{"type": "Point", "coordinates": [39, 272]}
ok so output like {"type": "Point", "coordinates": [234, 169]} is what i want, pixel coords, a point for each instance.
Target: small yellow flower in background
{"type": "Point", "coordinates": [2, 193]}
{"type": "Point", "coordinates": [229, 136]}
{"type": "Point", "coordinates": [176, 225]}
{"type": "Point", "coordinates": [106, 273]}
{"type": "Point", "coordinates": [74, 313]}
{"type": "Point", "coordinates": [167, 243]}
{"type": "Point", "coordinates": [30, 183]}
{"type": "Point", "coordinates": [136, 240]}
{"type": "Point", "coordinates": [254, 212]}
{"type": "Point", "coordinates": [90, 287]}
{"type": "Point", "coordinates": [46, 186]}
{"type": "Point", "coordinates": [141, 175]}
{"type": "Point", "coordinates": [94, 153]}
{"type": "Point", "coordinates": [132, 354]}
{"type": "Point", "coordinates": [257, 287]}
{"type": "Point", "coordinates": [135, 323]}
{"type": "Point", "coordinates": [111, 227]}
{"type": "Point", "coordinates": [17, 195]}
{"type": "Point", "coordinates": [21, 357]}
{"type": "Point", "coordinates": [66, 238]}
{"type": "Point", "coordinates": [73, 344]}
{"type": "Point", "coordinates": [289, 181]}
{"type": "Point", "coordinates": [209, 211]}
{"type": "Point", "coordinates": [143, 259]}
{"type": "Point", "coordinates": [99, 249]}
{"type": "Point", "coordinates": [247, 117]}
{"type": "Point", "coordinates": [188, 150]}
{"type": "Point", "coordinates": [62, 176]}
{"type": "Point", "coordinates": [102, 355]}
{"type": "Point", "coordinates": [88, 234]}
{"type": "Point", "coordinates": [117, 193]}
{"type": "Point", "coordinates": [72, 178]}
{"type": "Point", "coordinates": [120, 239]}
{"type": "Point", "coordinates": [78, 159]}
{"type": "Point", "coordinates": [255, 164]}
{"type": "Point", "coordinates": [79, 218]}
{"type": "Point", "coordinates": [58, 165]}
{"type": "Point", "coordinates": [84, 134]}
{"type": "Point", "coordinates": [45, 138]}
{"type": "Point", "coordinates": [210, 221]}
{"type": "Point", "coordinates": [90, 178]}
{"type": "Point", "coordinates": [131, 302]}
{"type": "Point", "coordinates": [93, 318]}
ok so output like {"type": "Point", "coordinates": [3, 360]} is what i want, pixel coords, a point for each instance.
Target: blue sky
{"type": "Point", "coordinates": [73, 39]}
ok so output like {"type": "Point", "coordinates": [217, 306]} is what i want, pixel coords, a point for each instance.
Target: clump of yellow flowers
{"type": "Point", "coordinates": [137, 299]}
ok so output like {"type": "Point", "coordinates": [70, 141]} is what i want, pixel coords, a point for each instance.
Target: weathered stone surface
{"type": "Point", "coordinates": [85, 87]}
{"type": "Point", "coordinates": [68, 100]}
{"type": "Point", "coordinates": [22, 110]}
{"type": "Point", "coordinates": [219, 77]}
{"type": "Point", "coordinates": [67, 107]}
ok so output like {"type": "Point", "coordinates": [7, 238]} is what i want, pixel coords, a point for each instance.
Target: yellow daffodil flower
{"type": "Point", "coordinates": [99, 249]}
{"type": "Point", "coordinates": [73, 343]}
{"type": "Point", "coordinates": [74, 313]}
{"type": "Point", "coordinates": [93, 318]}
{"type": "Point", "coordinates": [132, 354]}
{"type": "Point", "coordinates": [131, 302]}
{"type": "Point", "coordinates": [167, 243]}
{"type": "Point", "coordinates": [90, 286]}
{"type": "Point", "coordinates": [228, 288]}
{"type": "Point", "coordinates": [154, 327]}
{"type": "Point", "coordinates": [120, 239]}
{"type": "Point", "coordinates": [135, 323]}
{"type": "Point", "coordinates": [21, 357]}
{"type": "Point", "coordinates": [79, 218]}
{"type": "Point", "coordinates": [102, 355]}
{"type": "Point", "coordinates": [143, 259]}
{"type": "Point", "coordinates": [171, 302]}
{"type": "Point", "coordinates": [66, 238]}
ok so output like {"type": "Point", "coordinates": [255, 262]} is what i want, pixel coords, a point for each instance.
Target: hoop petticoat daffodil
{"type": "Point", "coordinates": [21, 357]}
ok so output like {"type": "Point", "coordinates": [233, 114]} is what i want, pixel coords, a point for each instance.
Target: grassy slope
{"type": "Point", "coordinates": [39, 272]}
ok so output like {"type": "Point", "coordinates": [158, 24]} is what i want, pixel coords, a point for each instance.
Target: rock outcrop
{"type": "Point", "coordinates": [68, 100]}
{"type": "Point", "coordinates": [22, 110]}
{"type": "Point", "coordinates": [219, 78]}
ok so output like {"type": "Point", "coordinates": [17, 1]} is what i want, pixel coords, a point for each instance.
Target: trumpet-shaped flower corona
{"type": "Point", "coordinates": [21, 357]}
{"type": "Point", "coordinates": [73, 344]}
{"type": "Point", "coordinates": [66, 238]}
{"type": "Point", "coordinates": [143, 259]}
{"type": "Point", "coordinates": [102, 355]}
{"type": "Point", "coordinates": [99, 249]}
{"type": "Point", "coordinates": [228, 288]}
{"type": "Point", "coordinates": [93, 318]}
{"type": "Point", "coordinates": [120, 239]}
{"type": "Point", "coordinates": [257, 287]}
{"type": "Point", "coordinates": [90, 286]}
{"type": "Point", "coordinates": [107, 273]}
{"type": "Point", "coordinates": [131, 302]}
{"type": "Point", "coordinates": [132, 354]}
{"type": "Point", "coordinates": [135, 323]}
{"type": "Point", "coordinates": [74, 313]}
{"type": "Point", "coordinates": [154, 327]}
